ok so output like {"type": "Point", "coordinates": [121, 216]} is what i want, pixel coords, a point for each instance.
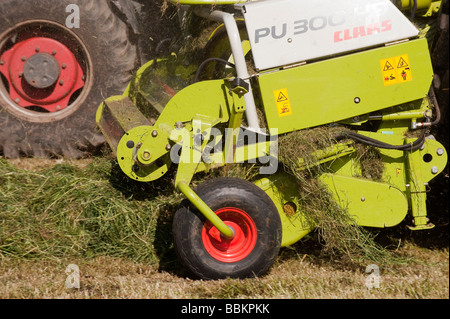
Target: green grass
{"type": "Point", "coordinates": [68, 211]}
{"type": "Point", "coordinates": [119, 233]}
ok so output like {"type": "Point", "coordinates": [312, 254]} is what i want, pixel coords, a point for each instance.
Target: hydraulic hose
{"type": "Point", "coordinates": [204, 63]}
{"type": "Point", "coordinates": [417, 144]}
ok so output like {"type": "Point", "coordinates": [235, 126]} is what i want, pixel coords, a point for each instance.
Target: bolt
{"type": "Point", "coordinates": [130, 144]}
{"type": "Point", "coordinates": [434, 170]}
{"type": "Point", "coordinates": [168, 147]}
{"type": "Point", "coordinates": [289, 40]}
{"type": "Point", "coordinates": [58, 107]}
{"type": "Point", "coordinates": [54, 52]}
{"type": "Point", "coordinates": [61, 82]}
{"type": "Point", "coordinates": [83, 78]}
{"type": "Point", "coordinates": [357, 100]}
{"type": "Point", "coordinates": [64, 66]}
{"type": "Point", "coordinates": [17, 100]}
{"type": "Point", "coordinates": [146, 155]}
{"type": "Point", "coordinates": [24, 58]}
{"type": "Point", "coordinates": [20, 74]}
{"type": "Point", "coordinates": [440, 151]}
{"type": "Point", "coordinates": [179, 125]}
{"type": "Point", "coordinates": [363, 199]}
{"type": "Point", "coordinates": [2, 62]}
{"type": "Point", "coordinates": [155, 133]}
{"type": "Point", "coordinates": [37, 49]}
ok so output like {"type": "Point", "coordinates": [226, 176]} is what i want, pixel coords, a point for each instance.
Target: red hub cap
{"type": "Point", "coordinates": [41, 72]}
{"type": "Point", "coordinates": [234, 249]}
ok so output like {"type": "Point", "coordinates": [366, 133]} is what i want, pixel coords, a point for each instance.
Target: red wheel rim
{"type": "Point", "coordinates": [45, 72]}
{"type": "Point", "coordinates": [234, 249]}
{"type": "Point", "coordinates": [67, 80]}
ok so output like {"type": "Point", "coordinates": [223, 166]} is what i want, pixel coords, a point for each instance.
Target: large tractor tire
{"type": "Point", "coordinates": [58, 61]}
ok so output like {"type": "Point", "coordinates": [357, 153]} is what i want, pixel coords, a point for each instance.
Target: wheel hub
{"type": "Point", "coordinates": [41, 72]}
{"type": "Point", "coordinates": [230, 250]}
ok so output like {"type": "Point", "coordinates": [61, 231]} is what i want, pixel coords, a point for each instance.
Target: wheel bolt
{"type": "Point", "coordinates": [37, 49]}
{"type": "Point", "coordinates": [24, 58]}
{"type": "Point", "coordinates": [17, 100]}
{"type": "Point", "coordinates": [61, 82]}
{"type": "Point", "coordinates": [146, 155]}
{"type": "Point", "coordinates": [2, 62]}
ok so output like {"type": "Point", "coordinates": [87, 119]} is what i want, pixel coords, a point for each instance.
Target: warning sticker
{"type": "Point", "coordinates": [282, 100]}
{"type": "Point", "coordinates": [396, 70]}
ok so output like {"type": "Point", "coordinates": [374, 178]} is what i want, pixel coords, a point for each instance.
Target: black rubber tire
{"type": "Point", "coordinates": [220, 193]}
{"type": "Point", "coordinates": [113, 60]}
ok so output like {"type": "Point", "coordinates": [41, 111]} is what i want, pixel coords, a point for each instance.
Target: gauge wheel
{"type": "Point", "coordinates": [58, 61]}
{"type": "Point", "coordinates": [251, 215]}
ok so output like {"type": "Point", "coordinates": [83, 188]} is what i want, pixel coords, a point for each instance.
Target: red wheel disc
{"type": "Point", "coordinates": [234, 249]}
{"type": "Point", "coordinates": [53, 61]}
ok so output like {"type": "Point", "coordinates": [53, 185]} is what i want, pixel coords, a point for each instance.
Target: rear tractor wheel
{"type": "Point", "coordinates": [54, 72]}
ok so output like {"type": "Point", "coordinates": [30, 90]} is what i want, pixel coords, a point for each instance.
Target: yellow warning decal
{"type": "Point", "coordinates": [396, 70]}
{"type": "Point", "coordinates": [282, 100]}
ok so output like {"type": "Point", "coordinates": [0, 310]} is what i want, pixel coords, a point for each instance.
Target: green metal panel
{"type": "Point", "coordinates": [370, 203]}
{"type": "Point", "coordinates": [341, 88]}
{"type": "Point", "coordinates": [282, 189]}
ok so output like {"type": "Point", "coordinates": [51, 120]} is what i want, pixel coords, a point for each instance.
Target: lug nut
{"type": "Point", "coordinates": [168, 147]}
{"type": "Point", "coordinates": [37, 49]}
{"type": "Point", "coordinates": [17, 100]}
{"type": "Point", "coordinates": [2, 62]}
{"type": "Point", "coordinates": [24, 58]}
{"type": "Point", "coordinates": [146, 155]}
{"type": "Point", "coordinates": [61, 82]}
{"type": "Point", "coordinates": [155, 133]}
{"type": "Point", "coordinates": [440, 151]}
{"type": "Point", "coordinates": [434, 170]}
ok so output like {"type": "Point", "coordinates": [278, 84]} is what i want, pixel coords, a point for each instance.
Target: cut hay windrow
{"type": "Point", "coordinates": [66, 211]}
{"type": "Point", "coordinates": [338, 231]}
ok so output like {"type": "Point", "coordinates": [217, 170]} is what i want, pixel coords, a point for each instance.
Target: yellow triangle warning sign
{"type": "Point", "coordinates": [402, 63]}
{"type": "Point", "coordinates": [281, 97]}
{"type": "Point", "coordinates": [388, 66]}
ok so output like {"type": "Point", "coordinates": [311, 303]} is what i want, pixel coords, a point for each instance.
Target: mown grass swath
{"type": "Point", "coordinates": [69, 211]}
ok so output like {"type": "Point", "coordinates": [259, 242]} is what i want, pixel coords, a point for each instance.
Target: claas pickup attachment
{"type": "Point", "coordinates": [359, 67]}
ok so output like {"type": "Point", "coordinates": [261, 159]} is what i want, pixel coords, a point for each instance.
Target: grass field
{"type": "Point", "coordinates": [54, 214]}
